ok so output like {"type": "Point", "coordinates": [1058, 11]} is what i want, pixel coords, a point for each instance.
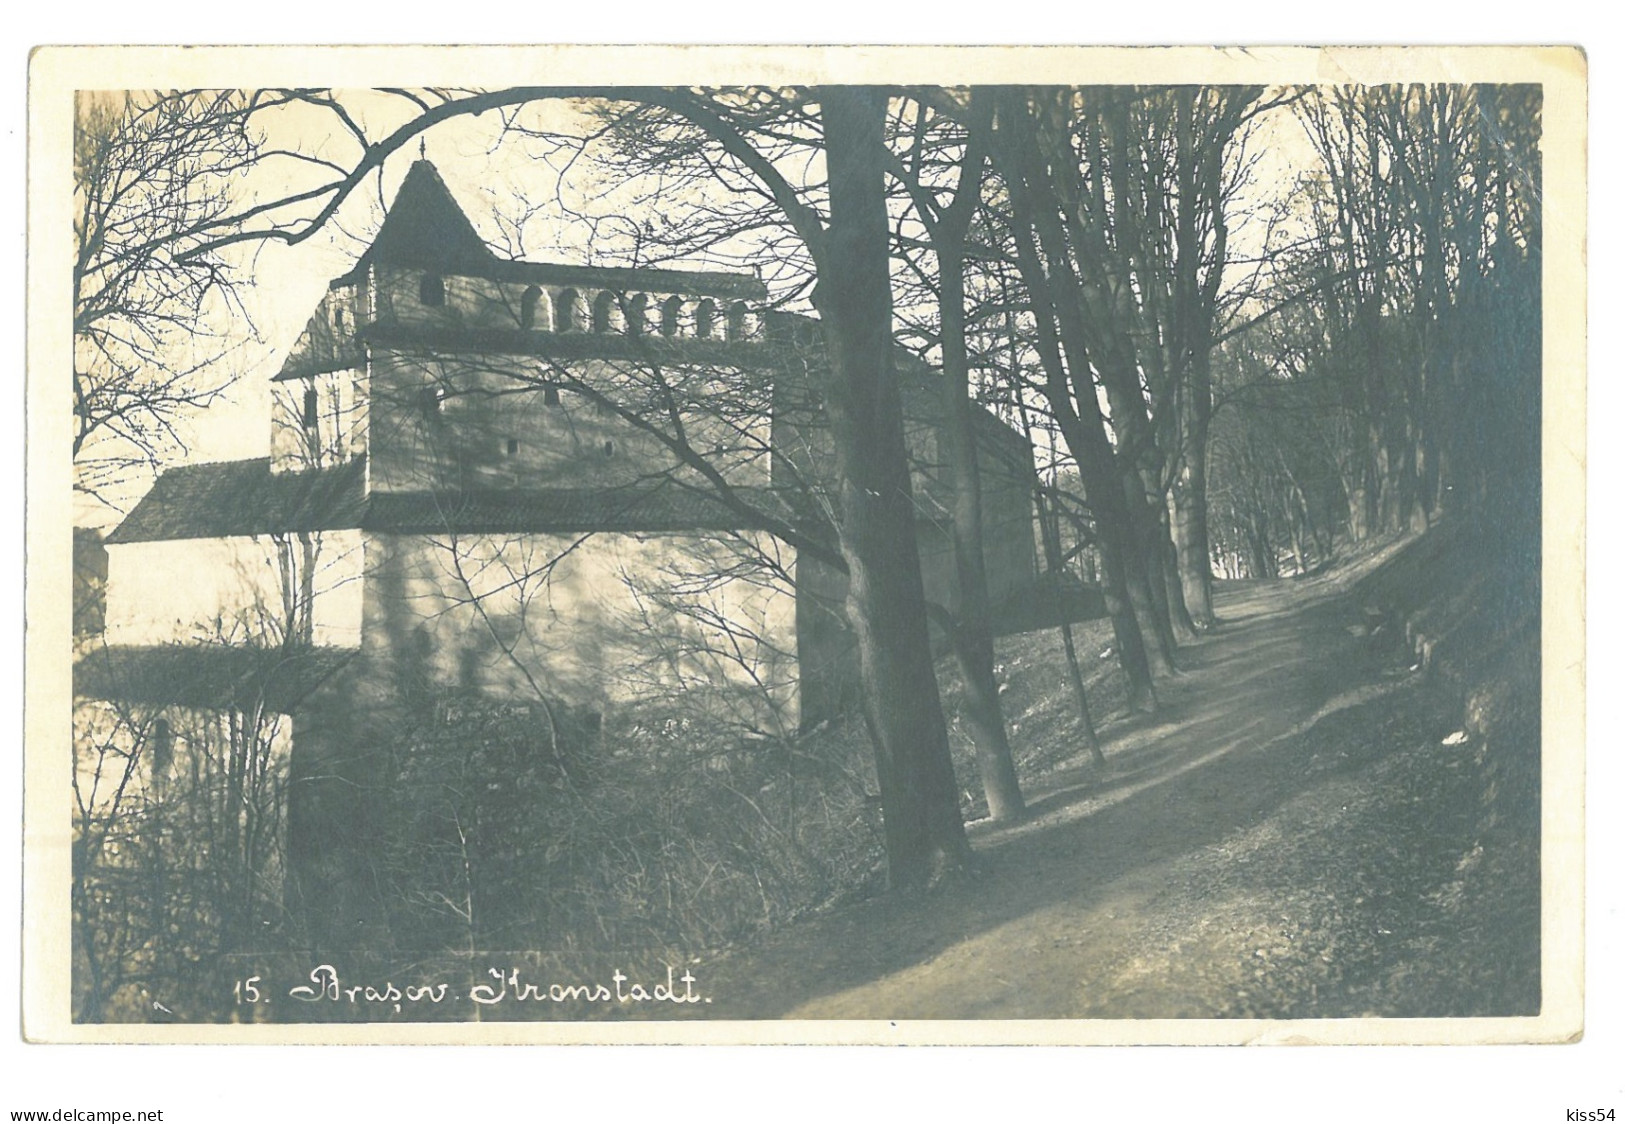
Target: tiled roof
{"type": "Point", "coordinates": [205, 675]}
{"type": "Point", "coordinates": [239, 498]}
{"type": "Point", "coordinates": [425, 226]}
{"type": "Point", "coordinates": [234, 498]}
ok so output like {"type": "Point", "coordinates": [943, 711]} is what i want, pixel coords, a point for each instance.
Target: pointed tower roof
{"type": "Point", "coordinates": [425, 227]}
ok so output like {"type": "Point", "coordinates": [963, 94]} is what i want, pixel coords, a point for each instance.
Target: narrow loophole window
{"type": "Point", "coordinates": [609, 448]}
{"type": "Point", "coordinates": [550, 396]}
{"type": "Point", "coordinates": [163, 747]}
{"type": "Point", "coordinates": [310, 407]}
{"type": "Point", "coordinates": [433, 400]}
{"type": "Point", "coordinates": [513, 446]}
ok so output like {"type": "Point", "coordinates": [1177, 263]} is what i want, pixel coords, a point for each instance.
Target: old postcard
{"type": "Point", "coordinates": [845, 545]}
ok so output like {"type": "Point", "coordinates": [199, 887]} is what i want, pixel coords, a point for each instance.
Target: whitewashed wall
{"type": "Point", "coordinates": [607, 618]}
{"type": "Point", "coordinates": [209, 590]}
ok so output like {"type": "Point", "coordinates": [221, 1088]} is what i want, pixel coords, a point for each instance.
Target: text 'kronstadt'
{"type": "Point", "coordinates": [508, 986]}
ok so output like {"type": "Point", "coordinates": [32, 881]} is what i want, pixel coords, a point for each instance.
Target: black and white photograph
{"type": "Point", "coordinates": [1056, 552]}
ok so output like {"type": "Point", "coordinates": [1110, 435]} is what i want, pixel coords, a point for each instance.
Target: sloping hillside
{"type": "Point", "coordinates": [1319, 822]}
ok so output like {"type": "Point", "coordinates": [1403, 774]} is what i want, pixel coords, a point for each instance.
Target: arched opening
{"type": "Point", "coordinates": [671, 317]}
{"type": "Point", "coordinates": [338, 320]}
{"type": "Point", "coordinates": [432, 290]}
{"type": "Point", "coordinates": [637, 315]}
{"type": "Point", "coordinates": [741, 324]}
{"type": "Point", "coordinates": [572, 312]}
{"type": "Point", "coordinates": [705, 318]}
{"type": "Point", "coordinates": [606, 314]}
{"type": "Point", "coordinates": [527, 308]}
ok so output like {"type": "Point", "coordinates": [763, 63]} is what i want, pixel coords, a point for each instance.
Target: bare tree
{"type": "Point", "coordinates": [179, 843]}
{"type": "Point", "coordinates": [1053, 290]}
{"type": "Point", "coordinates": [875, 514]}
{"type": "Point", "coordinates": [1425, 243]}
{"type": "Point", "coordinates": [155, 315]}
{"type": "Point", "coordinates": [947, 226]}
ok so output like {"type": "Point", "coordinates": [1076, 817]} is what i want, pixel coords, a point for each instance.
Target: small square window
{"type": "Point", "coordinates": [432, 290]}
{"type": "Point", "coordinates": [513, 446]}
{"type": "Point", "coordinates": [551, 396]}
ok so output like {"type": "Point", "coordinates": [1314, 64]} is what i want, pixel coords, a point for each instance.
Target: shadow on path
{"type": "Point", "coordinates": [1226, 747]}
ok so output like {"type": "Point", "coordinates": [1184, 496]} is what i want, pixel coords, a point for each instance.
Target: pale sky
{"type": "Point", "coordinates": [286, 282]}
{"type": "Point", "coordinates": [489, 179]}
{"type": "Point", "coordinates": [491, 182]}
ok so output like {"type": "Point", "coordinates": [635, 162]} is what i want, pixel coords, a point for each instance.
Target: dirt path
{"type": "Point", "coordinates": [1283, 839]}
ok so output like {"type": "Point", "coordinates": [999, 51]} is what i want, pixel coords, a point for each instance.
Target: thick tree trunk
{"type": "Point", "coordinates": [973, 633]}
{"type": "Point", "coordinates": [973, 630]}
{"type": "Point", "coordinates": [1123, 504]}
{"type": "Point", "coordinates": [925, 836]}
{"type": "Point", "coordinates": [1147, 587]}
{"type": "Point", "coordinates": [1188, 525]}
{"type": "Point", "coordinates": [1184, 626]}
{"type": "Point", "coordinates": [1085, 433]}
{"type": "Point", "coordinates": [1188, 497]}
{"type": "Point", "coordinates": [984, 715]}
{"type": "Point", "coordinates": [1168, 566]}
{"type": "Point", "coordinates": [1149, 591]}
{"type": "Point", "coordinates": [1071, 393]}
